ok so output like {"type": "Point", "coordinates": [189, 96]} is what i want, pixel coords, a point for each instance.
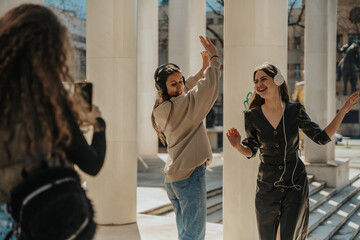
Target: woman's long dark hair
{"type": "Point", "coordinates": [34, 48]}
{"type": "Point", "coordinates": [162, 96]}
{"type": "Point", "coordinates": [270, 70]}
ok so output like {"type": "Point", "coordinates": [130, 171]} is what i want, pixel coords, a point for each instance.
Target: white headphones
{"type": "Point", "coordinates": [278, 78]}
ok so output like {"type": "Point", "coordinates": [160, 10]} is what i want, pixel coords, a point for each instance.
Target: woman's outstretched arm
{"type": "Point", "coordinates": [335, 123]}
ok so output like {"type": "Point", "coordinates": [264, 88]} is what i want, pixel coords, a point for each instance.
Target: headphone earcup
{"type": "Point", "coordinates": [161, 87]}
{"type": "Point", "coordinates": [279, 79]}
{"type": "Point", "coordinates": [158, 88]}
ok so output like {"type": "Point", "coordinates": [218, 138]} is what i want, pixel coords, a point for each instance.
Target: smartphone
{"type": "Point", "coordinates": [86, 91]}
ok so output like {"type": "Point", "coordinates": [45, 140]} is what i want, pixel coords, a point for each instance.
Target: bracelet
{"type": "Point", "coordinates": [214, 56]}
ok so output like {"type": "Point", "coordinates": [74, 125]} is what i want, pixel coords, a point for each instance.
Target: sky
{"type": "Point", "coordinates": [214, 4]}
{"type": "Point", "coordinates": [297, 4]}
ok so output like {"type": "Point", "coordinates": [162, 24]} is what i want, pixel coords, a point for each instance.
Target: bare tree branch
{"type": "Point", "coordinates": [297, 22]}
{"type": "Point", "coordinates": [218, 37]}
{"type": "Point", "coordinates": [214, 11]}
{"type": "Point", "coordinates": [219, 13]}
{"type": "Point", "coordinates": [220, 2]}
{"type": "Point", "coordinates": [291, 8]}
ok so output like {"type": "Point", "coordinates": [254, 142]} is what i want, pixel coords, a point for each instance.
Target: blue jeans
{"type": "Point", "coordinates": [7, 223]}
{"type": "Point", "coordinates": [188, 198]}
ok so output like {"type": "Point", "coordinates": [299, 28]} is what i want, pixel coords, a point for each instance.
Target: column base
{"type": "Point", "coordinates": [335, 173]}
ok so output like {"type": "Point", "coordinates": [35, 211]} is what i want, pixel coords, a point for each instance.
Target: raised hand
{"type": "Point", "coordinates": [206, 62]}
{"type": "Point", "coordinates": [205, 58]}
{"type": "Point", "coordinates": [234, 137]}
{"type": "Point", "coordinates": [335, 123]}
{"type": "Point", "coordinates": [350, 102]}
{"type": "Point", "coordinates": [209, 47]}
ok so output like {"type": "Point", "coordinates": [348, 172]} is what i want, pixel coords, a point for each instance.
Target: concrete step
{"type": "Point", "coordinates": [213, 203]}
{"type": "Point", "coordinates": [215, 217]}
{"type": "Point", "coordinates": [320, 197]}
{"type": "Point", "coordinates": [310, 178]}
{"type": "Point", "coordinates": [214, 192]}
{"type": "Point", "coordinates": [357, 236]}
{"type": "Point", "coordinates": [353, 174]}
{"type": "Point", "coordinates": [162, 210]}
{"type": "Point", "coordinates": [319, 214]}
{"type": "Point", "coordinates": [350, 229]}
{"type": "Point", "coordinates": [334, 222]}
{"type": "Point", "coordinates": [315, 186]}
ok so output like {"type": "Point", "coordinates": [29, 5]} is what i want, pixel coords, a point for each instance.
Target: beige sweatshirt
{"type": "Point", "coordinates": [186, 136]}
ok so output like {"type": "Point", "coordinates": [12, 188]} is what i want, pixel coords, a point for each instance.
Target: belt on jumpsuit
{"type": "Point", "coordinates": [278, 160]}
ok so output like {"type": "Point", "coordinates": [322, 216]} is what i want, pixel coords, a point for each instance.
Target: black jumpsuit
{"type": "Point", "coordinates": [274, 205]}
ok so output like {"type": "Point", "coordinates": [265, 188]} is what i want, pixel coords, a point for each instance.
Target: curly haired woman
{"type": "Point", "coordinates": [39, 116]}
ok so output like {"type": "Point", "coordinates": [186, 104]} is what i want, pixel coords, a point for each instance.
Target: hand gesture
{"type": "Point", "coordinates": [206, 62]}
{"type": "Point", "coordinates": [90, 117]}
{"type": "Point", "coordinates": [350, 102]}
{"type": "Point", "coordinates": [233, 137]}
{"type": "Point", "coordinates": [209, 47]}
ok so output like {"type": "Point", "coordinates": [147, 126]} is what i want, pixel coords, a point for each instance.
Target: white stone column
{"type": "Point", "coordinates": [320, 67]}
{"type": "Point", "coordinates": [147, 61]}
{"type": "Point", "coordinates": [187, 21]}
{"type": "Point", "coordinates": [111, 66]}
{"type": "Point", "coordinates": [255, 32]}
{"type": "Point", "coordinates": [331, 70]}
{"type": "Point", "coordinates": [6, 5]}
{"type": "Point", "coordinates": [315, 61]}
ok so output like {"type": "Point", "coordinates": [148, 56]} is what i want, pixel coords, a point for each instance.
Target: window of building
{"type": "Point", "coordinates": [355, 38]}
{"type": "Point", "coordinates": [297, 43]}
{"type": "Point", "coordinates": [297, 71]}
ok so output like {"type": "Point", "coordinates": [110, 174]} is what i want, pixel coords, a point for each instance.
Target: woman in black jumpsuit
{"type": "Point", "coordinates": [282, 194]}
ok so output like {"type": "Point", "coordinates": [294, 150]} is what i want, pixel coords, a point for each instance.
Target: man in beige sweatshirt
{"type": "Point", "coordinates": [178, 117]}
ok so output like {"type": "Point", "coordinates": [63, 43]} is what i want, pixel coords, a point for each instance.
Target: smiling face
{"type": "Point", "coordinates": [264, 85]}
{"type": "Point", "coordinates": [175, 84]}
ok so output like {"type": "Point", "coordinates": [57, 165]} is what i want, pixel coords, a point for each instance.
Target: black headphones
{"type": "Point", "coordinates": [160, 85]}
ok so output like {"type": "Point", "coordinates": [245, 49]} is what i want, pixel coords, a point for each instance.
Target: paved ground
{"type": "Point", "coordinates": [150, 227]}
{"type": "Point", "coordinates": [349, 149]}
{"type": "Point", "coordinates": [151, 192]}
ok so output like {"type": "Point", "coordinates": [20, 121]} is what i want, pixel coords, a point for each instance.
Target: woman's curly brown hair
{"type": "Point", "coordinates": [34, 47]}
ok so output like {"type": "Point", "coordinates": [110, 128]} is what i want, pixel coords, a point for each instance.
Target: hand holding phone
{"type": "Point", "coordinates": [86, 91]}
